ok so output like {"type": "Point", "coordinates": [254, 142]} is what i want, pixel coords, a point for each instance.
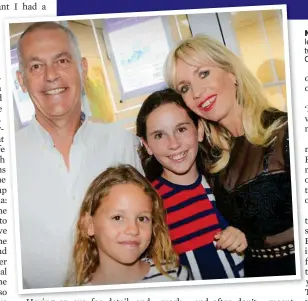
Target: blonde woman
{"type": "Point", "coordinates": [121, 233]}
{"type": "Point", "coordinates": [250, 149]}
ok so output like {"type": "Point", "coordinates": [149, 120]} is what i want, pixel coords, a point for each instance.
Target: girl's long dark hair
{"type": "Point", "coordinates": [151, 166]}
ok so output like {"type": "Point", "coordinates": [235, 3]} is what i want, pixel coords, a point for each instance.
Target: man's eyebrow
{"type": "Point", "coordinates": [34, 58]}
{"type": "Point", "coordinates": [65, 53]}
{"type": "Point", "coordinates": [58, 55]}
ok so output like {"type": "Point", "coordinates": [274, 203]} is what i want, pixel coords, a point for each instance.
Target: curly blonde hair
{"type": "Point", "coordinates": [85, 252]}
{"type": "Point", "coordinates": [197, 51]}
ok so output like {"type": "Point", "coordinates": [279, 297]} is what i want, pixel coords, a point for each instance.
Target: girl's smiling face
{"type": "Point", "coordinates": [173, 138]}
{"type": "Point", "coordinates": [122, 225]}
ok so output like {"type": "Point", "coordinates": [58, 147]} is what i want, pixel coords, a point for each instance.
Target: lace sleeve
{"type": "Point", "coordinates": [227, 207]}
{"type": "Point", "coordinates": [288, 235]}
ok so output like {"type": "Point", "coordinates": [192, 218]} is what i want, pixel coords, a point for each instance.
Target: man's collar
{"type": "Point", "coordinates": [46, 137]}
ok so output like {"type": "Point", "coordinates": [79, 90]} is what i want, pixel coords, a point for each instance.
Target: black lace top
{"type": "Point", "coordinates": [254, 191]}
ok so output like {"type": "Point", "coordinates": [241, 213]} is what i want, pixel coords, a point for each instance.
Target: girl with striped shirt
{"type": "Point", "coordinates": [174, 161]}
{"type": "Point", "coordinates": [121, 233]}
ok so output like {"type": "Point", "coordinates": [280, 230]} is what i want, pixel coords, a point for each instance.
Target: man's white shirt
{"type": "Point", "coordinates": [50, 195]}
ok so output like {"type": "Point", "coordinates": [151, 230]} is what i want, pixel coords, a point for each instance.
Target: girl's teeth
{"type": "Point", "coordinates": [179, 156]}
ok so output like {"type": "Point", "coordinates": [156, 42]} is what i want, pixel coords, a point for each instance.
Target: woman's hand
{"type": "Point", "coordinates": [280, 239]}
{"type": "Point", "coordinates": [231, 239]}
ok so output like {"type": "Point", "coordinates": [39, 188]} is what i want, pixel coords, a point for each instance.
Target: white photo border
{"type": "Point", "coordinates": [157, 284]}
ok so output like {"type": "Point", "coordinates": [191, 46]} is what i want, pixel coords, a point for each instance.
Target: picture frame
{"type": "Point", "coordinates": [129, 52]}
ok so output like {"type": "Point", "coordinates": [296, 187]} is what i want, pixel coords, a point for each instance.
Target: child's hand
{"type": "Point", "coordinates": [231, 239]}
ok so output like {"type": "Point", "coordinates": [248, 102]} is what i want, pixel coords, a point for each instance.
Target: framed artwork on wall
{"type": "Point", "coordinates": [137, 48]}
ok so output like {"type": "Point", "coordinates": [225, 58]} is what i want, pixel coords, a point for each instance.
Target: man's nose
{"type": "Point", "coordinates": [51, 73]}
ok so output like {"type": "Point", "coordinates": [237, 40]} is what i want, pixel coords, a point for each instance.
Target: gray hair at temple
{"type": "Point", "coordinates": [50, 25]}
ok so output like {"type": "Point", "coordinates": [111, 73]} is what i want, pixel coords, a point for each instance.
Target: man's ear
{"type": "Point", "coordinates": [84, 68]}
{"type": "Point", "coordinates": [149, 151]}
{"type": "Point", "coordinates": [21, 81]}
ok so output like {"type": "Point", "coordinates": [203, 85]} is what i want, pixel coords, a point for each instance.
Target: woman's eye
{"type": "Point", "coordinates": [204, 74]}
{"type": "Point", "coordinates": [117, 218]}
{"type": "Point", "coordinates": [184, 89]}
